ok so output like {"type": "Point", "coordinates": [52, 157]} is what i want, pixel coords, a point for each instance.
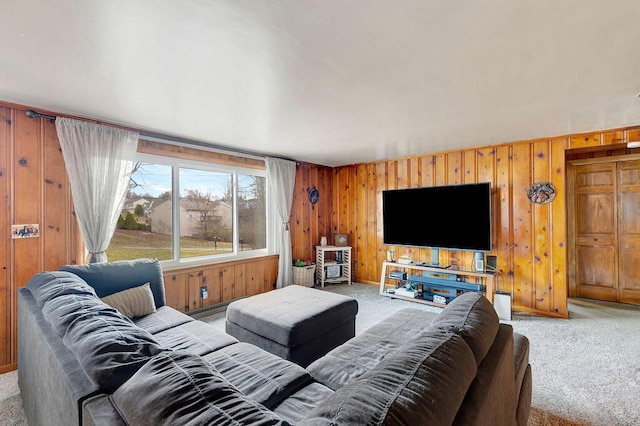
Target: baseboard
{"type": "Point", "coordinates": [8, 367]}
{"type": "Point", "coordinates": [209, 310]}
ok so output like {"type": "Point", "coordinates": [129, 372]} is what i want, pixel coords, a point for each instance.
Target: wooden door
{"type": "Point", "coordinates": [595, 225]}
{"type": "Point", "coordinates": [629, 231]}
{"type": "Point", "coordinates": [605, 217]}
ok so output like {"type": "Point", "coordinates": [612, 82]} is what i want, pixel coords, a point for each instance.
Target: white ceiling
{"type": "Point", "coordinates": [331, 82]}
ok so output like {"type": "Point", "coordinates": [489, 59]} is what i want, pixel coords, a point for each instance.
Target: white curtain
{"type": "Point", "coordinates": [281, 177]}
{"type": "Point", "coordinates": [99, 161]}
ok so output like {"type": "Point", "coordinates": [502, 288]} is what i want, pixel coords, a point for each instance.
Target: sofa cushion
{"type": "Point", "coordinates": [261, 376]}
{"type": "Point", "coordinates": [132, 302]}
{"type": "Point", "coordinates": [48, 285]}
{"type": "Point", "coordinates": [296, 406]}
{"type": "Point", "coordinates": [164, 318]}
{"type": "Point", "coordinates": [111, 277]}
{"type": "Point", "coordinates": [109, 347]}
{"type": "Point", "coordinates": [423, 383]}
{"type": "Point", "coordinates": [196, 337]}
{"type": "Point", "coordinates": [360, 354]}
{"type": "Point", "coordinates": [99, 411]}
{"type": "Point", "coordinates": [473, 318]}
{"type": "Point", "coordinates": [61, 311]}
{"type": "Point", "coordinates": [178, 388]}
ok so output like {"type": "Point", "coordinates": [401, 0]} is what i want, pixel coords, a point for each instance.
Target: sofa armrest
{"type": "Point", "coordinates": [524, 399]}
{"type": "Point", "coordinates": [491, 398]}
{"type": "Point", "coordinates": [52, 382]}
{"type": "Point", "coordinates": [520, 358]}
{"type": "Point", "coordinates": [523, 378]}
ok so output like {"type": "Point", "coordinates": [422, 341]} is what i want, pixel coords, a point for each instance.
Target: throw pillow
{"type": "Point", "coordinates": [133, 302]}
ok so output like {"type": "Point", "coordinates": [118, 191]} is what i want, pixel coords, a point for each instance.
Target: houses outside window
{"type": "Point", "coordinates": [180, 211]}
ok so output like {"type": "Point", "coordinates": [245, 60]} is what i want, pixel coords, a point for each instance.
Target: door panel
{"type": "Point", "coordinates": [594, 175]}
{"type": "Point", "coordinates": [629, 231]}
{"type": "Point", "coordinates": [629, 208]}
{"type": "Point", "coordinates": [629, 173]}
{"type": "Point", "coordinates": [595, 213]}
{"type": "Point", "coordinates": [630, 276]}
{"type": "Point", "coordinates": [596, 272]}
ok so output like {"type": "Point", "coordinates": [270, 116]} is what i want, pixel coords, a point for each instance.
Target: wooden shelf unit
{"type": "Point", "coordinates": [386, 282]}
{"type": "Point", "coordinates": [327, 256]}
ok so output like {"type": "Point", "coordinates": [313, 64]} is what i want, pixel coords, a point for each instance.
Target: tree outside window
{"type": "Point", "coordinates": [211, 205]}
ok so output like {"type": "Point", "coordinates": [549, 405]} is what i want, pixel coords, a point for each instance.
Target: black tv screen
{"type": "Point", "coordinates": [455, 217]}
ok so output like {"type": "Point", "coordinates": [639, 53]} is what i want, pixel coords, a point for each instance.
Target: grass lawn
{"type": "Point", "coordinates": [135, 244]}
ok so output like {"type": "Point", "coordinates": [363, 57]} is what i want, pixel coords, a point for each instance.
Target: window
{"type": "Point", "coordinates": [179, 210]}
{"type": "Point", "coordinates": [252, 220]}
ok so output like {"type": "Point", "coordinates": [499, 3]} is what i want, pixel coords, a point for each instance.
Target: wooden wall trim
{"type": "Point", "coordinates": [191, 268]}
{"type": "Point", "coordinates": [608, 159]}
{"type": "Point", "coordinates": [589, 142]}
{"type": "Point", "coordinates": [8, 367]}
{"type": "Point", "coordinates": [188, 153]}
{"type": "Point", "coordinates": [234, 157]}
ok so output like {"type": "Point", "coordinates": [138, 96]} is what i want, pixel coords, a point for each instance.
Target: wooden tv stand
{"type": "Point", "coordinates": [483, 280]}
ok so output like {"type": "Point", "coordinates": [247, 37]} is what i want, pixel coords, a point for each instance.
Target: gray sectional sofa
{"type": "Point", "coordinates": [83, 362]}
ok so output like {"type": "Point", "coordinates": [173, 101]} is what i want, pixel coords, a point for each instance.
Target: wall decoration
{"type": "Point", "coordinates": [340, 240]}
{"type": "Point", "coordinates": [314, 195]}
{"type": "Point", "coordinates": [541, 192]}
{"type": "Point", "coordinates": [25, 231]}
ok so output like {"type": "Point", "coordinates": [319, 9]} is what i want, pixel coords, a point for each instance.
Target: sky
{"type": "Point", "coordinates": [155, 179]}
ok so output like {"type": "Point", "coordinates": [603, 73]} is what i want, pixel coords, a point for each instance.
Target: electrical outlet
{"type": "Point", "coordinates": [203, 292]}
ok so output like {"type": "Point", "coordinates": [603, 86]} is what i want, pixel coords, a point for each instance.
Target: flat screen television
{"type": "Point", "coordinates": [454, 217]}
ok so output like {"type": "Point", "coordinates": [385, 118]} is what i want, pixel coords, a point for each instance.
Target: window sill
{"type": "Point", "coordinates": [172, 265]}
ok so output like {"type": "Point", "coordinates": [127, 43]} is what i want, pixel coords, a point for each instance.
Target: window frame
{"type": "Point", "coordinates": [176, 164]}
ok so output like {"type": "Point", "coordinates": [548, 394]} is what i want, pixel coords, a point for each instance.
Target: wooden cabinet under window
{"type": "Point", "coordinates": [223, 282]}
{"type": "Point", "coordinates": [604, 217]}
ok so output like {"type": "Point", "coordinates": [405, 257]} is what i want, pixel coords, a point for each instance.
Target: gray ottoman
{"type": "Point", "coordinates": [296, 323]}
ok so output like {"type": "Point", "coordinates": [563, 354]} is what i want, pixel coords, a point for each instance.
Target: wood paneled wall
{"type": "Point", "coordinates": [35, 190]}
{"type": "Point", "coordinates": [309, 222]}
{"type": "Point", "coordinates": [529, 240]}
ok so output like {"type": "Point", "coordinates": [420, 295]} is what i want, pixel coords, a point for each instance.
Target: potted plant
{"type": "Point", "coordinates": [303, 272]}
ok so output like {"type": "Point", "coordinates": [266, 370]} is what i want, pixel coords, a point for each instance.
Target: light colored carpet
{"type": "Point", "coordinates": [586, 370]}
{"type": "Point", "coordinates": [11, 411]}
